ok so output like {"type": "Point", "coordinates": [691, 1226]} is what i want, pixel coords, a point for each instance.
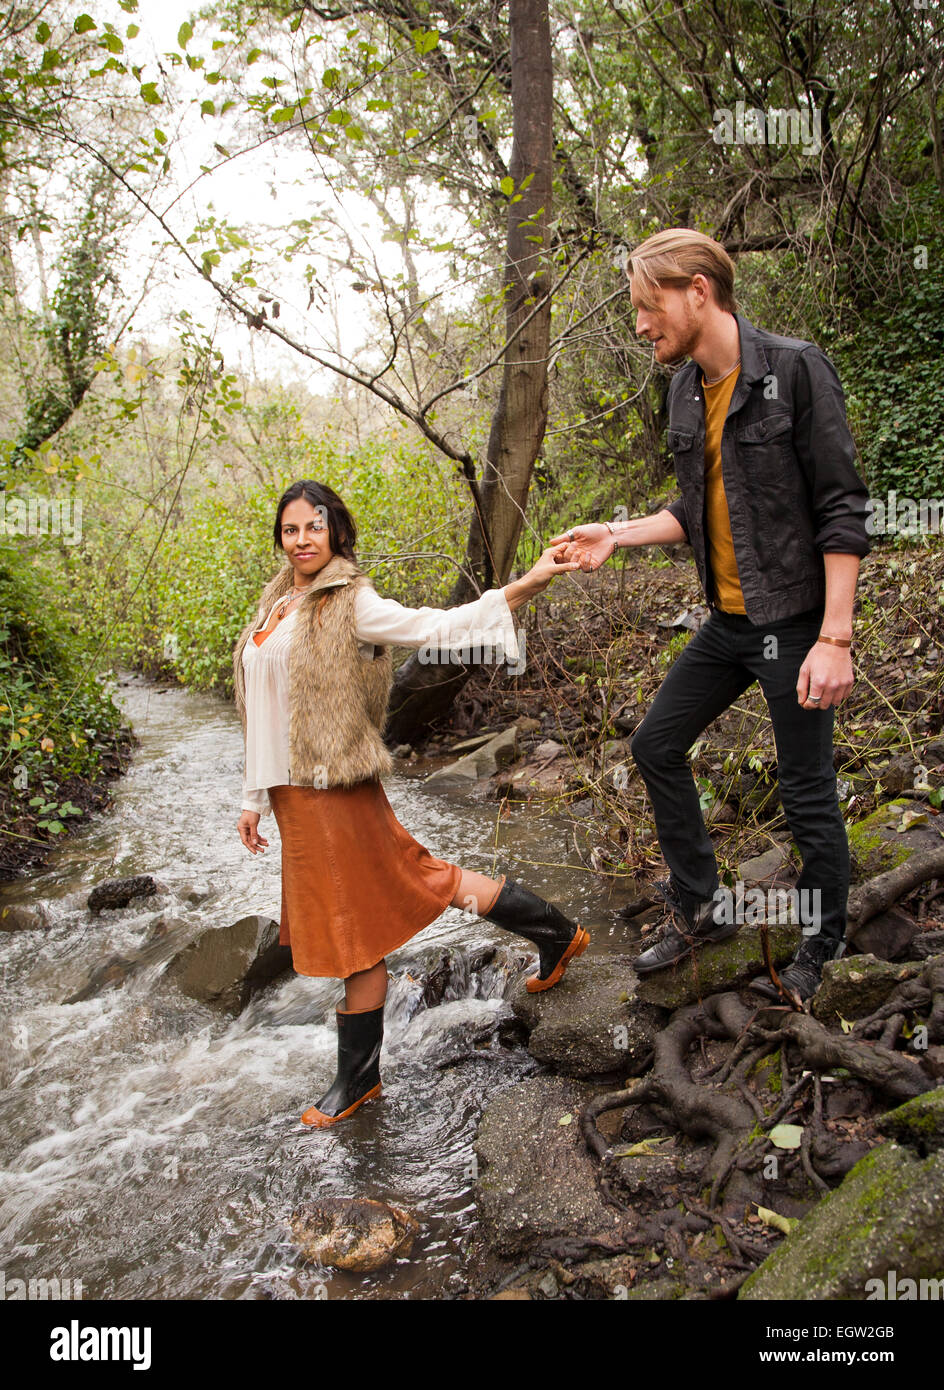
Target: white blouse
{"type": "Point", "coordinates": [480, 630]}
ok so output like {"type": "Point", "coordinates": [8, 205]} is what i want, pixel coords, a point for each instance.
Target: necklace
{"type": "Point", "coordinates": [289, 599]}
{"type": "Point", "coordinates": [713, 381]}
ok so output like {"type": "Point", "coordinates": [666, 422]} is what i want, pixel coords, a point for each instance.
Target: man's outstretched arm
{"type": "Point", "coordinates": [593, 544]}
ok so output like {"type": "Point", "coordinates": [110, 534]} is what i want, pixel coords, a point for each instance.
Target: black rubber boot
{"type": "Point", "coordinates": [558, 939]}
{"type": "Point", "coordinates": [804, 974]}
{"type": "Point", "coordinates": [360, 1037]}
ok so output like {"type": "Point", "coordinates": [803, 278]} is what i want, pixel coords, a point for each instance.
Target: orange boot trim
{"type": "Point", "coordinates": [313, 1116]}
{"type": "Point", "coordinates": [580, 942]}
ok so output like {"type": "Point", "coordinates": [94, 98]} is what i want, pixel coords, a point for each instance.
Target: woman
{"type": "Point", "coordinates": [312, 679]}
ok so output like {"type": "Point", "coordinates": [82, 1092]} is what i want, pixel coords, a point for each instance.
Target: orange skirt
{"type": "Point", "coordinates": [355, 884]}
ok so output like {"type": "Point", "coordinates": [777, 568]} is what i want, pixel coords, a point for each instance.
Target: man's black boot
{"type": "Point", "coordinates": [360, 1037]}
{"type": "Point", "coordinates": [804, 974]}
{"type": "Point", "coordinates": [557, 938]}
{"type": "Point", "coordinates": [688, 925]}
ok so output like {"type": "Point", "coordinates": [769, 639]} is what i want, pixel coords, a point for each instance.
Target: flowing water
{"type": "Point", "coordinates": [151, 1146]}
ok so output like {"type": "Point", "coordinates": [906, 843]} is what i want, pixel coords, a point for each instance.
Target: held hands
{"type": "Point", "coordinates": [248, 827]}
{"type": "Point", "coordinates": [591, 547]}
{"type": "Point", "coordinates": [553, 561]}
{"type": "Point", "coordinates": [826, 673]}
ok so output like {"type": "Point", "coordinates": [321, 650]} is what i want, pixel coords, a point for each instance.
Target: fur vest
{"type": "Point", "coordinates": [337, 699]}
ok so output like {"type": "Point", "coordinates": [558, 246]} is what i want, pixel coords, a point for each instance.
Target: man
{"type": "Point", "coordinates": [774, 510]}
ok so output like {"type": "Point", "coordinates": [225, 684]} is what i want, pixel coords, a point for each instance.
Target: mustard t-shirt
{"type": "Point", "coordinates": [728, 595]}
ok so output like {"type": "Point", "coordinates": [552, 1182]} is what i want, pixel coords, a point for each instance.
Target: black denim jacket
{"type": "Point", "coordinates": [789, 468]}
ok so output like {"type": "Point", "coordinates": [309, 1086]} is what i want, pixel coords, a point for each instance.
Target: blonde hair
{"type": "Point", "coordinates": [672, 257]}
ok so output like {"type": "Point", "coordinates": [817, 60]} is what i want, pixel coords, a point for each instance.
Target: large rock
{"type": "Point", "coordinates": [884, 1222]}
{"type": "Point", "coordinates": [591, 1023]}
{"type": "Point", "coordinates": [353, 1233]}
{"type": "Point", "coordinates": [919, 1123]}
{"type": "Point", "coordinates": [536, 1179]}
{"type": "Point", "coordinates": [163, 941]}
{"type": "Point", "coordinates": [19, 917]}
{"type": "Point", "coordinates": [226, 965]}
{"type": "Point", "coordinates": [887, 936]}
{"type": "Point", "coordinates": [856, 986]}
{"type": "Point", "coordinates": [483, 761]}
{"type": "Point", "coordinates": [717, 966]}
{"type": "Point", "coordinates": [890, 836]}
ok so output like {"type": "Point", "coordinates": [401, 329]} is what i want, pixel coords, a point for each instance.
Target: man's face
{"type": "Point", "coordinates": [672, 327]}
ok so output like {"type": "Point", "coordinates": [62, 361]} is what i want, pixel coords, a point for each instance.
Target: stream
{"type": "Point", "coordinates": [151, 1145]}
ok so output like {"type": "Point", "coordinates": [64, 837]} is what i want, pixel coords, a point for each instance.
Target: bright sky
{"type": "Point", "coordinates": [268, 186]}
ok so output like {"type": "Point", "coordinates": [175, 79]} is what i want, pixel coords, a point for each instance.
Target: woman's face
{"type": "Point", "coordinates": [305, 538]}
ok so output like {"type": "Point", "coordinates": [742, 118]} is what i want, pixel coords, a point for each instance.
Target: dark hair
{"type": "Point", "coordinates": [342, 532]}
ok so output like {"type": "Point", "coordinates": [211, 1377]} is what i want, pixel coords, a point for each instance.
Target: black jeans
{"type": "Point", "coordinates": [725, 656]}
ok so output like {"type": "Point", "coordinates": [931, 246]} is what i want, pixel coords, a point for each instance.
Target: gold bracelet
{"type": "Point", "coordinates": [834, 641]}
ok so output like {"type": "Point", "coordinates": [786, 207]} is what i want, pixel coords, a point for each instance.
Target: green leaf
{"type": "Point", "coordinates": [284, 113]}
{"type": "Point", "coordinates": [566, 1120]}
{"type": "Point", "coordinates": [425, 40]}
{"type": "Point", "coordinates": [507, 186]}
{"type": "Point", "coordinates": [43, 32]}
{"type": "Point", "coordinates": [786, 1136]}
{"type": "Point", "coordinates": [184, 34]}
{"type": "Point", "coordinates": [160, 137]}
{"type": "Point", "coordinates": [112, 43]}
{"type": "Point", "coordinates": [84, 23]}
{"type": "Point", "coordinates": [253, 55]}
{"type": "Point", "coordinates": [207, 108]}
{"type": "Point", "coordinates": [150, 93]}
{"type": "Point", "coordinates": [780, 1223]}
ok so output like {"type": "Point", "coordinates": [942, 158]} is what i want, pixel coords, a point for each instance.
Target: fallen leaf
{"type": "Point", "coordinates": [645, 1148]}
{"type": "Point", "coordinates": [773, 1218]}
{"type": "Point", "coordinates": [786, 1136]}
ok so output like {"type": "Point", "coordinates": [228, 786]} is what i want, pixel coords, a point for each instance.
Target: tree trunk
{"type": "Point", "coordinates": [422, 691]}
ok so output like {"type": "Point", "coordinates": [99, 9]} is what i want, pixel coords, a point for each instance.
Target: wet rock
{"type": "Point", "coordinates": [195, 893]}
{"type": "Point", "coordinates": [118, 892]}
{"type": "Point", "coordinates": [918, 1124]}
{"type": "Point", "coordinates": [481, 762]}
{"type": "Point", "coordinates": [109, 975]}
{"type": "Point", "coordinates": [887, 936]}
{"type": "Point", "coordinates": [885, 1222]}
{"type": "Point", "coordinates": [162, 941]}
{"type": "Point", "coordinates": [224, 966]}
{"type": "Point", "coordinates": [591, 1023]}
{"type": "Point", "coordinates": [717, 966]}
{"type": "Point", "coordinates": [856, 986]}
{"type": "Point", "coordinates": [353, 1233]}
{"type": "Point", "coordinates": [453, 1031]}
{"type": "Point", "coordinates": [19, 917]}
{"type": "Point", "coordinates": [402, 750]}
{"type": "Point", "coordinates": [536, 1180]}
